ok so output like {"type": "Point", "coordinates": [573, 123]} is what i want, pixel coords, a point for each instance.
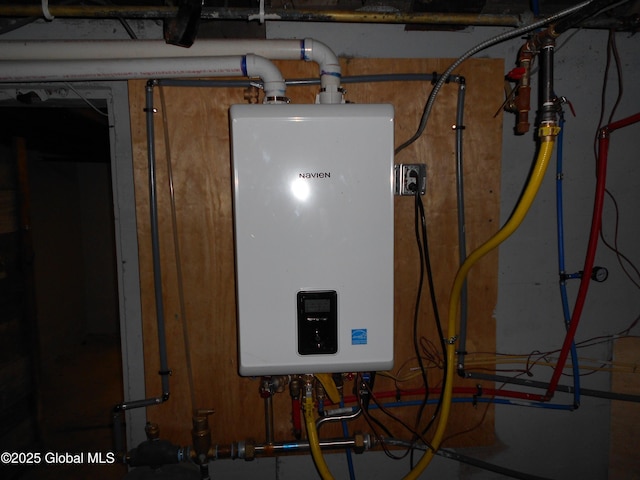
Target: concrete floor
{"type": "Point", "coordinates": [80, 388]}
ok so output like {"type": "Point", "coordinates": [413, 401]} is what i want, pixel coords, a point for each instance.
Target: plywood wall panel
{"type": "Point", "coordinates": [192, 129]}
{"type": "Point", "coordinates": [624, 462]}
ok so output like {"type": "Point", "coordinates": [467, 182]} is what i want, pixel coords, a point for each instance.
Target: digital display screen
{"type": "Point", "coordinates": [315, 305]}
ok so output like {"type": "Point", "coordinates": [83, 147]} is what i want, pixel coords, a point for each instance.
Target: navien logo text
{"type": "Point", "coordinates": [315, 175]}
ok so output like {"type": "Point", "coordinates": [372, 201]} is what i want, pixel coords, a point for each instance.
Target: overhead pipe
{"type": "Point", "coordinates": [469, 53]}
{"type": "Point", "coordinates": [302, 15]}
{"type": "Point", "coordinates": [110, 49]}
{"type": "Point", "coordinates": [571, 21]}
{"type": "Point", "coordinates": [543, 42]}
{"type": "Point", "coordinates": [17, 71]}
{"type": "Point", "coordinates": [212, 13]}
{"type": "Point", "coordinates": [156, 59]}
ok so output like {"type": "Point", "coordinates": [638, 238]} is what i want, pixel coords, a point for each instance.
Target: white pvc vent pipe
{"type": "Point", "coordinates": [162, 57]}
{"type": "Point", "coordinates": [147, 68]}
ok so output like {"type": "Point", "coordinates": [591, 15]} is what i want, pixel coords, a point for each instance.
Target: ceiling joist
{"type": "Point", "coordinates": [489, 13]}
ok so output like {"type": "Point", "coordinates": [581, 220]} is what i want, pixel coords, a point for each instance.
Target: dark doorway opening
{"type": "Point", "coordinates": [66, 243]}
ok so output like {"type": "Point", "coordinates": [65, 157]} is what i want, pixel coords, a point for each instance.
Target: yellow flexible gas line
{"type": "Point", "coordinates": [314, 442]}
{"type": "Point", "coordinates": [547, 135]}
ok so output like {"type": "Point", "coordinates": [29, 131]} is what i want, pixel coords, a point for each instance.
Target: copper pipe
{"type": "Point", "coordinates": [348, 16]}
{"type": "Point", "coordinates": [318, 15]}
{"type": "Point", "coordinates": [542, 40]}
{"type": "Point", "coordinates": [249, 450]}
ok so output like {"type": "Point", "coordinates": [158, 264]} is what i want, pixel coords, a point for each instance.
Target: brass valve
{"type": "Point", "coordinates": [152, 430]}
{"type": "Point", "coordinates": [201, 434]}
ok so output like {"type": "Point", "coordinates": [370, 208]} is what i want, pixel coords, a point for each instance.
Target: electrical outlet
{"type": "Point", "coordinates": [410, 178]}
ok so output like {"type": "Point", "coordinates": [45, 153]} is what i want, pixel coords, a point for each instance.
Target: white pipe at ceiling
{"type": "Point", "coordinates": [15, 71]}
{"type": "Point", "coordinates": [101, 51]}
{"type": "Point", "coordinates": [93, 49]}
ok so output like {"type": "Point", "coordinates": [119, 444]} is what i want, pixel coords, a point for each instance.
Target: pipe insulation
{"type": "Point", "coordinates": [156, 59]}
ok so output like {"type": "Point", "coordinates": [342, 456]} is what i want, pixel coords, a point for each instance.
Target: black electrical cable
{"type": "Point", "coordinates": [417, 437]}
{"type": "Point", "coordinates": [363, 388]}
{"type": "Point", "coordinates": [612, 50]}
{"type": "Point", "coordinates": [622, 258]}
{"type": "Point", "coordinates": [434, 306]}
{"type": "Point", "coordinates": [425, 267]}
{"type": "Point", "coordinates": [416, 313]}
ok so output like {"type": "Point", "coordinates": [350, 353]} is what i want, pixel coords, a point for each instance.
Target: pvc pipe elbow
{"type": "Point", "coordinates": [274, 85]}
{"type": "Point", "coordinates": [330, 70]}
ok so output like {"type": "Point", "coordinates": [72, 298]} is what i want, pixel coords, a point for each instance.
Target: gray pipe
{"type": "Point", "coordinates": [462, 238]}
{"type": "Point", "coordinates": [157, 280]}
{"type": "Point", "coordinates": [155, 244]}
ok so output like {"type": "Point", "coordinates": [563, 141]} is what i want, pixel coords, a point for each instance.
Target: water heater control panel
{"type": "Point", "coordinates": [317, 322]}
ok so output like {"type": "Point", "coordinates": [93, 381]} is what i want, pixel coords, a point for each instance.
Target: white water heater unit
{"type": "Point", "coordinates": [313, 212]}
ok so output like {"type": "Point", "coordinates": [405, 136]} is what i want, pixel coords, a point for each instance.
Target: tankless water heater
{"type": "Point", "coordinates": [313, 213]}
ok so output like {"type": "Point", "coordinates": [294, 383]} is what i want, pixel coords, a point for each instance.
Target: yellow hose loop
{"type": "Point", "coordinates": [530, 192]}
{"type": "Point", "coordinates": [314, 441]}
